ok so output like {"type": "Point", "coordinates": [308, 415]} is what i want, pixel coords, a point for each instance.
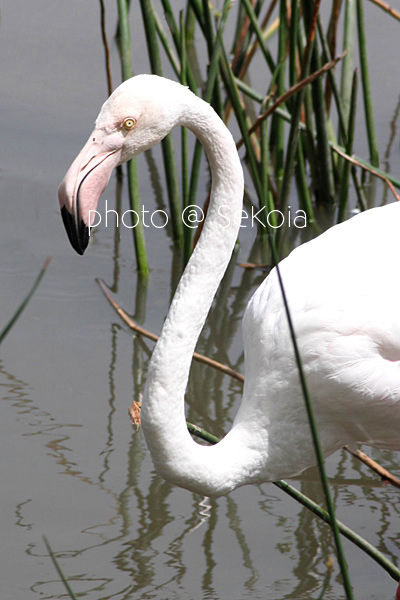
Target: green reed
{"type": "Point", "coordinates": [59, 569]}
{"type": "Point", "coordinates": [167, 146]}
{"type": "Point", "coordinates": [369, 118]}
{"type": "Point", "coordinates": [24, 303]}
{"type": "Point", "coordinates": [133, 183]}
{"type": "Point", "coordinates": [346, 166]}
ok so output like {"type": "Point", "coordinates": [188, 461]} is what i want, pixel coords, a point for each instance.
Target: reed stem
{"type": "Point", "coordinates": [187, 232]}
{"type": "Point", "coordinates": [176, 36]}
{"type": "Point", "coordinates": [212, 75]}
{"type": "Point", "coordinates": [259, 35]}
{"type": "Point", "coordinates": [58, 569]}
{"type": "Point", "coordinates": [124, 39]}
{"type": "Point", "coordinates": [369, 117]}
{"type": "Point", "coordinates": [167, 144]}
{"type": "Point", "coordinates": [277, 142]}
{"type": "Point", "coordinates": [25, 302]}
{"type": "Point", "coordinates": [324, 163]}
{"type": "Point", "coordinates": [296, 114]}
{"type": "Point", "coordinates": [346, 165]}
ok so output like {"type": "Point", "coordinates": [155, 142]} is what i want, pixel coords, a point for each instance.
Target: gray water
{"type": "Point", "coordinates": [72, 467]}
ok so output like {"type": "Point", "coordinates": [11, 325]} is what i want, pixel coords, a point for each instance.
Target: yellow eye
{"type": "Point", "coordinates": [128, 123]}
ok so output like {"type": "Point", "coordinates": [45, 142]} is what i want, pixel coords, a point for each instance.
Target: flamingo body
{"type": "Point", "coordinates": [342, 295]}
{"type": "Point", "coordinates": [343, 291]}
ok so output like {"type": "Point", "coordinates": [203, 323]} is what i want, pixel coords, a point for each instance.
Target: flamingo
{"type": "Point", "coordinates": [343, 289]}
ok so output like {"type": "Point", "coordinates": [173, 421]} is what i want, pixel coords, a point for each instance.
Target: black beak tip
{"type": "Point", "coordinates": [78, 236]}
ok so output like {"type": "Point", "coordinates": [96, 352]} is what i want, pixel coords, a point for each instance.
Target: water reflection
{"type": "Point", "coordinates": [155, 541]}
{"type": "Point", "coordinates": [144, 538]}
{"type": "Point", "coordinates": [393, 133]}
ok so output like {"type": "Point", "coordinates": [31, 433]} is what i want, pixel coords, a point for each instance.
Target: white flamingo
{"type": "Point", "coordinates": [344, 295]}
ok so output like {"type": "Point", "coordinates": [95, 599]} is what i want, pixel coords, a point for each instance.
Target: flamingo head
{"type": "Point", "coordinates": [139, 114]}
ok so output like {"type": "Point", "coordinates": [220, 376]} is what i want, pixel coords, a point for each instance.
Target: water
{"type": "Point", "coordinates": [72, 467]}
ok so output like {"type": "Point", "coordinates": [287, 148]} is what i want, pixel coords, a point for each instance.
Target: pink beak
{"type": "Point", "coordinates": [83, 184]}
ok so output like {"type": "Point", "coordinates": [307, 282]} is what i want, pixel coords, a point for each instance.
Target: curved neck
{"type": "Point", "coordinates": [175, 455]}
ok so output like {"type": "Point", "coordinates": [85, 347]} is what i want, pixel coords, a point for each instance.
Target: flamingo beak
{"type": "Point", "coordinates": [83, 184]}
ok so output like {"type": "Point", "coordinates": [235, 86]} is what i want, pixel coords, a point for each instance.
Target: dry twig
{"type": "Point", "coordinates": [385, 6]}
{"type": "Point", "coordinates": [141, 331]}
{"type": "Point", "coordinates": [372, 464]}
{"type": "Point", "coordinates": [291, 91]}
{"type": "Point", "coordinates": [372, 171]}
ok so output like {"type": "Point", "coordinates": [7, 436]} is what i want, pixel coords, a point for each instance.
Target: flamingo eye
{"type": "Point", "coordinates": [129, 123]}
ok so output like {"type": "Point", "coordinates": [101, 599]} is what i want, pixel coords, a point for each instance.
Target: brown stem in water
{"type": "Point", "coordinates": [372, 171]}
{"type": "Point", "coordinates": [106, 47]}
{"type": "Point", "coordinates": [141, 331]}
{"type": "Point", "coordinates": [372, 464]}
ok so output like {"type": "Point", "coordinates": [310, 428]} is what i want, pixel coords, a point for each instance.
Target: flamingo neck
{"type": "Point", "coordinates": [206, 470]}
